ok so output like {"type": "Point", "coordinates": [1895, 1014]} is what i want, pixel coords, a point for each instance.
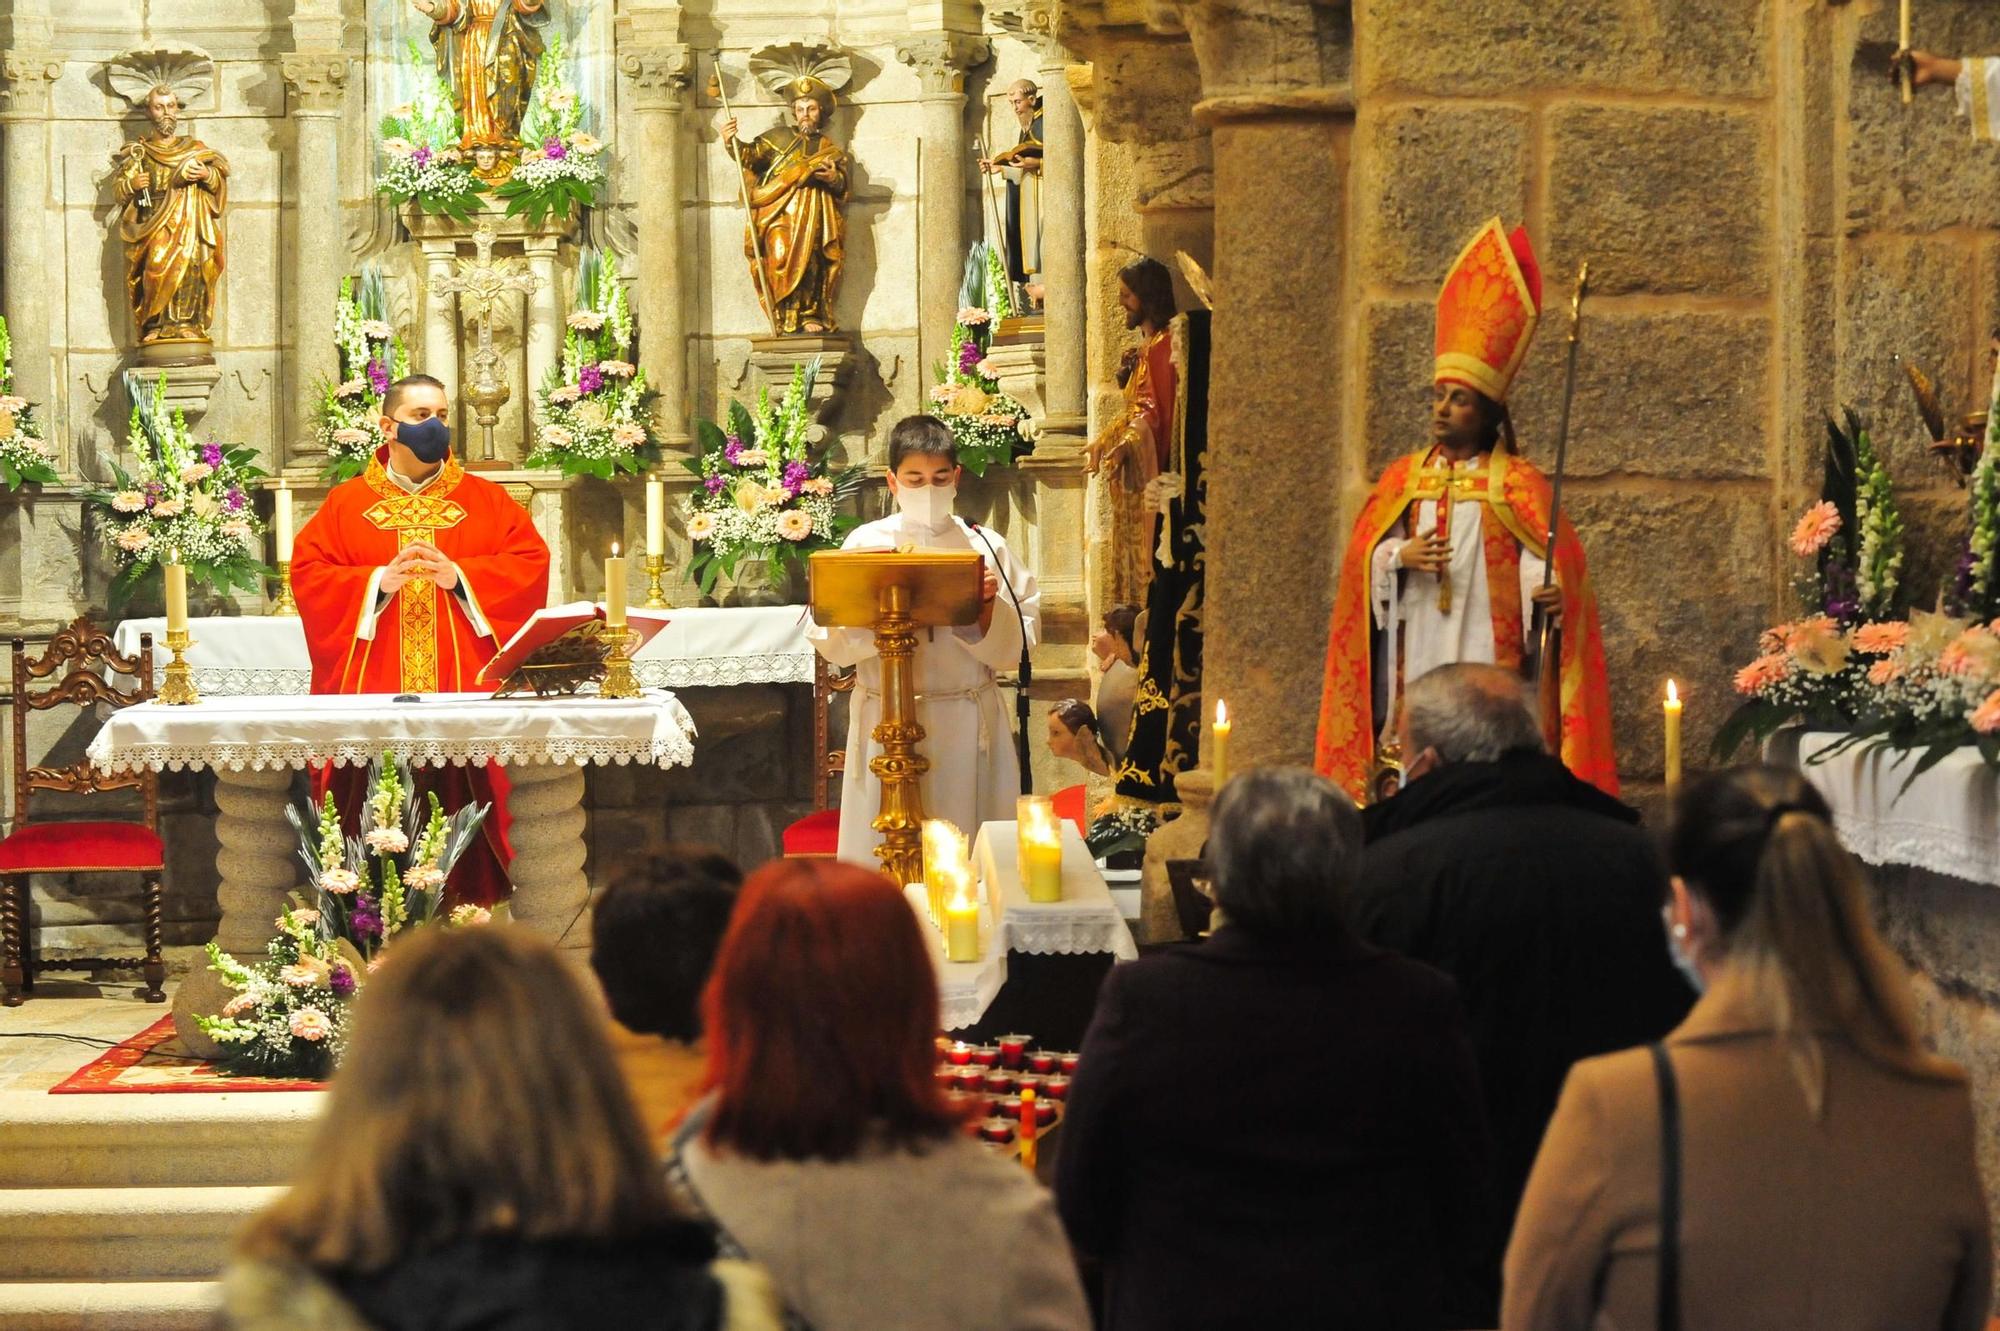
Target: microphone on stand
{"type": "Point", "coordinates": [1026, 669]}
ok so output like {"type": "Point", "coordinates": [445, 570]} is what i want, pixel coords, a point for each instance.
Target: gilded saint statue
{"type": "Point", "coordinates": [171, 189]}
{"type": "Point", "coordinates": [487, 50]}
{"type": "Point", "coordinates": [795, 180]}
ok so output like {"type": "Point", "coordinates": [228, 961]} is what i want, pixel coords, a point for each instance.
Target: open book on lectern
{"type": "Point", "coordinates": [551, 622]}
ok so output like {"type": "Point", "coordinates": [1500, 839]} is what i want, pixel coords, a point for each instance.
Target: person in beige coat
{"type": "Point", "coordinates": [1827, 1171]}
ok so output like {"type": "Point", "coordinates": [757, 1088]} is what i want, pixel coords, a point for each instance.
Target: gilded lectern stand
{"type": "Point", "coordinates": [895, 595]}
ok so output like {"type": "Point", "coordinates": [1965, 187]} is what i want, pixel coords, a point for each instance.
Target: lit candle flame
{"type": "Point", "coordinates": [1673, 692]}
{"type": "Point", "coordinates": [614, 549]}
{"type": "Point", "coordinates": [1221, 712]}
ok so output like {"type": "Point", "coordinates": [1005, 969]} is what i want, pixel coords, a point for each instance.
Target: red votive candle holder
{"type": "Point", "coordinates": [999, 1082]}
{"type": "Point", "coordinates": [947, 1076]}
{"type": "Point", "coordinates": [987, 1055]}
{"type": "Point", "coordinates": [969, 1079]}
{"type": "Point", "coordinates": [958, 1053]}
{"type": "Point", "coordinates": [1045, 1113]}
{"type": "Point", "coordinates": [1042, 1061]}
{"type": "Point", "coordinates": [1056, 1087]}
{"type": "Point", "coordinates": [1014, 1051]}
{"type": "Point", "coordinates": [1067, 1062]}
{"type": "Point", "coordinates": [1028, 1081]}
{"type": "Point", "coordinates": [1010, 1107]}
{"type": "Point", "coordinates": [996, 1130]}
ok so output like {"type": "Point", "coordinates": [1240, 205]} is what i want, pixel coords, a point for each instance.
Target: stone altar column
{"type": "Point", "coordinates": [440, 317]}
{"type": "Point", "coordinates": [25, 76]}
{"type": "Point", "coordinates": [543, 330]}
{"type": "Point", "coordinates": [1062, 246]}
{"type": "Point", "coordinates": [659, 75]}
{"type": "Point", "coordinates": [258, 867]}
{"type": "Point", "coordinates": [318, 258]}
{"type": "Point", "coordinates": [943, 167]}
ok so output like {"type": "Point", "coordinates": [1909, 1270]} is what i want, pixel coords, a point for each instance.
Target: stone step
{"type": "Point", "coordinates": [143, 1141]}
{"type": "Point", "coordinates": [77, 1234]}
{"type": "Point", "coordinates": [139, 1305]}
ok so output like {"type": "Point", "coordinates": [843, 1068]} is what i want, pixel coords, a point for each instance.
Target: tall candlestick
{"type": "Point", "coordinates": [281, 522]}
{"type": "Point", "coordinates": [614, 589]}
{"type": "Point", "coordinates": [1673, 710]}
{"type": "Point", "coordinates": [1218, 735]}
{"type": "Point", "coordinates": [656, 517]}
{"type": "Point", "coordinates": [1903, 44]}
{"type": "Point", "coordinates": [177, 595]}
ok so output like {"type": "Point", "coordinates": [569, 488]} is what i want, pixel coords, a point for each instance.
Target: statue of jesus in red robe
{"type": "Point", "coordinates": [408, 579]}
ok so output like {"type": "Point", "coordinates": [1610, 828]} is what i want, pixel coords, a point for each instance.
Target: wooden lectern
{"type": "Point", "coordinates": [896, 594]}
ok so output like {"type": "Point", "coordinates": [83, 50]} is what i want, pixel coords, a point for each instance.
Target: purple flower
{"type": "Point", "coordinates": [969, 356]}
{"type": "Point", "coordinates": [714, 484]}
{"type": "Point", "coordinates": [589, 379]}
{"type": "Point", "coordinates": [155, 491]}
{"type": "Point", "coordinates": [796, 474]}
{"type": "Point", "coordinates": [341, 981]}
{"type": "Point", "coordinates": [234, 500]}
{"type": "Point", "coordinates": [212, 454]}
{"type": "Point", "coordinates": [732, 451]}
{"type": "Point", "coordinates": [366, 918]}
{"type": "Point", "coordinates": [1962, 584]}
{"type": "Point", "coordinates": [378, 376]}
{"type": "Point", "coordinates": [422, 157]}
{"type": "Point", "coordinates": [552, 148]}
{"type": "Point", "coordinates": [1842, 599]}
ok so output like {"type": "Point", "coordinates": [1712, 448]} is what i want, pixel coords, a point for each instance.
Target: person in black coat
{"type": "Point", "coordinates": [1535, 890]}
{"type": "Point", "coordinates": [1280, 1126]}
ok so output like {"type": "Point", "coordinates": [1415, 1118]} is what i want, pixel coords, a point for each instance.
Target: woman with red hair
{"type": "Point", "coordinates": [826, 1149]}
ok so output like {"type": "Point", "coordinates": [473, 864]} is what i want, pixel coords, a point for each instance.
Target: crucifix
{"type": "Point", "coordinates": [481, 281]}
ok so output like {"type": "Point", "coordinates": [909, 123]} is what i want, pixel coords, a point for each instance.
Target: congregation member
{"type": "Point", "coordinates": [1280, 1125]}
{"type": "Point", "coordinates": [1823, 1159]}
{"type": "Point", "coordinates": [480, 1165]}
{"type": "Point", "coordinates": [653, 936]}
{"type": "Point", "coordinates": [1073, 736]}
{"type": "Point", "coordinates": [829, 1153]}
{"type": "Point", "coordinates": [1537, 891]}
{"type": "Point", "coordinates": [408, 579]}
{"type": "Point", "coordinates": [974, 776]}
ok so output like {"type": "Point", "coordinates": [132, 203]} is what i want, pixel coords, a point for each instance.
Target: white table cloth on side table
{"type": "Point", "coordinates": [1947, 821]}
{"type": "Point", "coordinates": [965, 988]}
{"type": "Point", "coordinates": [254, 745]}
{"type": "Point", "coordinates": [701, 647]}
{"type": "Point", "coordinates": [1085, 920]}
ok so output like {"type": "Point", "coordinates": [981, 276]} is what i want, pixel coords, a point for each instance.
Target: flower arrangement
{"type": "Point", "coordinates": [24, 457]}
{"type": "Point", "coordinates": [372, 357]}
{"type": "Point", "coordinates": [595, 409]}
{"type": "Point", "coordinates": [421, 160]}
{"type": "Point", "coordinates": [991, 428]}
{"type": "Point", "coordinates": [289, 1015]}
{"type": "Point", "coordinates": [184, 500]}
{"type": "Point", "coordinates": [562, 166]}
{"type": "Point", "coordinates": [1977, 590]}
{"type": "Point", "coordinates": [762, 497]}
{"type": "Point", "coordinates": [1121, 831]}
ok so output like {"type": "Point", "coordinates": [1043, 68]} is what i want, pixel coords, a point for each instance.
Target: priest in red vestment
{"type": "Point", "coordinates": [408, 579]}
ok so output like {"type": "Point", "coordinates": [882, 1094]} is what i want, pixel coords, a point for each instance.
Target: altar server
{"type": "Point", "coordinates": [973, 777]}
{"type": "Point", "coordinates": [408, 578]}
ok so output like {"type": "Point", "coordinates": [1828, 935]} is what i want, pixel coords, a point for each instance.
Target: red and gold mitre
{"type": "Point", "coordinates": [1487, 311]}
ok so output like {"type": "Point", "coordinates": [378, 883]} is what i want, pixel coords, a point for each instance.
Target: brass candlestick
{"type": "Point", "coordinates": [286, 605]}
{"type": "Point", "coordinates": [618, 681]}
{"type": "Point", "coordinates": [177, 690]}
{"type": "Point", "coordinates": [656, 594]}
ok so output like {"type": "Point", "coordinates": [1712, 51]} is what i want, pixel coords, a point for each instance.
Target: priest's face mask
{"type": "Point", "coordinates": [415, 426]}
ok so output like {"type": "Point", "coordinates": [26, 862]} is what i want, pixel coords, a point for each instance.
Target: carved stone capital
{"type": "Point", "coordinates": [941, 59]}
{"type": "Point", "coordinates": [1037, 22]}
{"type": "Point", "coordinates": [659, 74]}
{"type": "Point", "coordinates": [317, 79]}
{"type": "Point", "coordinates": [25, 77]}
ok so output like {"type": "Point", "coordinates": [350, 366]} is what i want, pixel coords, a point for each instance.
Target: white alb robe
{"type": "Point", "coordinates": [1978, 95]}
{"type": "Point", "coordinates": [968, 735]}
{"type": "Point", "coordinates": [1405, 601]}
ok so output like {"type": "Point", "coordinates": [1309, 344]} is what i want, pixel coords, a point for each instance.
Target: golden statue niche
{"type": "Point", "coordinates": [487, 51]}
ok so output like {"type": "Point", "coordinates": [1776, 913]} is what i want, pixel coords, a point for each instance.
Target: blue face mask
{"type": "Point", "coordinates": [1678, 955]}
{"type": "Point", "coordinates": [430, 440]}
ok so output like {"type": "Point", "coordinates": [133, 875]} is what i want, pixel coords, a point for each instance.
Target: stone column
{"type": "Point", "coordinates": [440, 316]}
{"type": "Point", "coordinates": [660, 74]}
{"type": "Point", "coordinates": [318, 257]}
{"type": "Point", "coordinates": [1062, 245]}
{"type": "Point", "coordinates": [541, 335]}
{"type": "Point", "coordinates": [940, 60]}
{"type": "Point", "coordinates": [25, 77]}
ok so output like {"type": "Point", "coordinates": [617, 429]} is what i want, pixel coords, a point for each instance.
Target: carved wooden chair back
{"type": "Point", "coordinates": [77, 659]}
{"type": "Point", "coordinates": [830, 762]}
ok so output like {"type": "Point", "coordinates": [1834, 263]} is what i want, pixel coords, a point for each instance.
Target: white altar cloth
{"type": "Point", "coordinates": [701, 647]}
{"type": "Point", "coordinates": [259, 733]}
{"type": "Point", "coordinates": [1948, 821]}
{"type": "Point", "coordinates": [965, 988]}
{"type": "Point", "coordinates": [1085, 920]}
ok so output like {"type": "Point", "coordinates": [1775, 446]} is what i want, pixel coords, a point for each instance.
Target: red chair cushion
{"type": "Point", "coordinates": [81, 848]}
{"type": "Point", "coordinates": [816, 834]}
{"type": "Point", "coordinates": [1073, 804]}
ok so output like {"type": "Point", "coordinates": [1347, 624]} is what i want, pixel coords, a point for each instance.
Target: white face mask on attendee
{"type": "Point", "coordinates": [929, 506]}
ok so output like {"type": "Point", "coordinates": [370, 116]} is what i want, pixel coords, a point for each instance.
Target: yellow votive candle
{"type": "Point", "coordinates": [961, 925]}
{"type": "Point", "coordinates": [177, 594]}
{"type": "Point", "coordinates": [1218, 742]}
{"type": "Point", "coordinates": [1041, 863]}
{"type": "Point", "coordinates": [281, 521]}
{"type": "Point", "coordinates": [1673, 711]}
{"type": "Point", "coordinates": [656, 517]}
{"type": "Point", "coordinates": [614, 588]}
{"type": "Point", "coordinates": [944, 854]}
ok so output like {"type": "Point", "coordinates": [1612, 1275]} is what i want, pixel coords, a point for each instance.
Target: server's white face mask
{"type": "Point", "coordinates": [926, 505]}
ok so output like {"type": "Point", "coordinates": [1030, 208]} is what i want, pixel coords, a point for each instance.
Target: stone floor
{"type": "Point", "coordinates": [70, 1020]}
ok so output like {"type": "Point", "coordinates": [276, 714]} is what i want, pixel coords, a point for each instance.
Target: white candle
{"type": "Point", "coordinates": [1673, 714]}
{"type": "Point", "coordinates": [614, 589]}
{"type": "Point", "coordinates": [281, 520]}
{"type": "Point", "coordinates": [1218, 758]}
{"type": "Point", "coordinates": [1903, 26]}
{"type": "Point", "coordinates": [177, 595]}
{"type": "Point", "coordinates": [656, 517]}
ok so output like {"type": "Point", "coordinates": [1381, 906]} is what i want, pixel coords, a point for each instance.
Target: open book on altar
{"type": "Point", "coordinates": [551, 622]}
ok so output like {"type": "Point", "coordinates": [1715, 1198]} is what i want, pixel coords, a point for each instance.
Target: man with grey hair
{"type": "Point", "coordinates": [1532, 887]}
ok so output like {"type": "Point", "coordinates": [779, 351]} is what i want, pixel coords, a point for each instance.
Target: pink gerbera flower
{"type": "Point", "coordinates": [1882, 638]}
{"type": "Point", "coordinates": [1761, 673]}
{"type": "Point", "coordinates": [1816, 527]}
{"type": "Point", "coordinates": [1986, 718]}
{"type": "Point", "coordinates": [1885, 672]}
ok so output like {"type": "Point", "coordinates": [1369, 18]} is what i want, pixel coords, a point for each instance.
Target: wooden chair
{"type": "Point", "coordinates": [817, 835]}
{"type": "Point", "coordinates": [84, 655]}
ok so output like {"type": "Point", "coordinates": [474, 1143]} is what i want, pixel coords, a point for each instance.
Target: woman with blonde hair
{"type": "Point", "coordinates": [1791, 1155]}
{"type": "Point", "coordinates": [480, 1165]}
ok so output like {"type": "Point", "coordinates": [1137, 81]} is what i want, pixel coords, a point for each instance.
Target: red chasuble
{"type": "Point", "coordinates": [424, 640]}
